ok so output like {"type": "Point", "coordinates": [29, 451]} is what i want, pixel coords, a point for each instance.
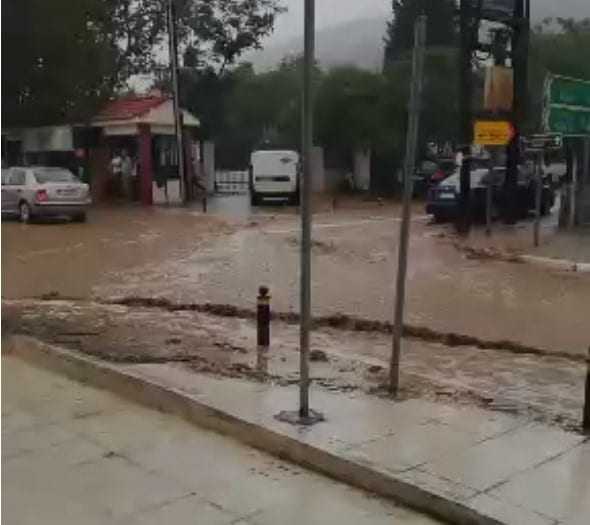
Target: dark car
{"type": "Point", "coordinates": [431, 172]}
{"type": "Point", "coordinates": [443, 199]}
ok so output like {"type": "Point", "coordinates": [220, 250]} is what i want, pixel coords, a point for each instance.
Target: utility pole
{"type": "Point", "coordinates": [466, 118]}
{"type": "Point", "coordinates": [411, 141]}
{"type": "Point", "coordinates": [307, 125]}
{"type": "Point", "coordinates": [173, 50]}
{"type": "Point", "coordinates": [520, 50]}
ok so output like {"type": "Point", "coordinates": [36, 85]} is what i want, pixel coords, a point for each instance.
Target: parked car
{"type": "Point", "coordinates": [443, 199]}
{"type": "Point", "coordinates": [431, 172]}
{"type": "Point", "coordinates": [38, 191]}
{"type": "Point", "coordinates": [556, 172]}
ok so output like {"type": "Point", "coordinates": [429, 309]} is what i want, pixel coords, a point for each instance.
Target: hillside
{"type": "Point", "coordinates": [360, 41]}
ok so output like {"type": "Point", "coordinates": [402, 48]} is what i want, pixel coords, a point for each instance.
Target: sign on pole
{"type": "Point", "coordinates": [493, 132]}
{"type": "Point", "coordinates": [496, 10]}
{"type": "Point", "coordinates": [567, 106]}
{"type": "Point", "coordinates": [542, 142]}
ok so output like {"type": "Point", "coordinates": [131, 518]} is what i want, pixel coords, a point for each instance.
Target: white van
{"type": "Point", "coordinates": [274, 175]}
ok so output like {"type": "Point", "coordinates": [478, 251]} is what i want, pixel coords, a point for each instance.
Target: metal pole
{"type": "Point", "coordinates": [307, 127]}
{"type": "Point", "coordinates": [489, 191]}
{"type": "Point", "coordinates": [411, 141]}
{"type": "Point", "coordinates": [571, 219]}
{"type": "Point", "coordinates": [520, 47]}
{"type": "Point", "coordinates": [466, 122]}
{"type": "Point", "coordinates": [538, 196]}
{"type": "Point", "coordinates": [173, 50]}
{"type": "Point", "coordinates": [586, 418]}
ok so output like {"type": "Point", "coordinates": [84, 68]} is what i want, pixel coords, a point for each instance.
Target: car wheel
{"type": "Point", "coordinates": [438, 218]}
{"type": "Point", "coordinates": [253, 199]}
{"type": "Point", "coordinates": [24, 212]}
{"type": "Point", "coordinates": [79, 217]}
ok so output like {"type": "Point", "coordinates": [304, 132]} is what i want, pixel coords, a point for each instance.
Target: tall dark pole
{"type": "Point", "coordinates": [173, 50]}
{"type": "Point", "coordinates": [410, 160]}
{"type": "Point", "coordinates": [307, 125]}
{"type": "Point", "coordinates": [466, 119]}
{"type": "Point", "coordinates": [520, 45]}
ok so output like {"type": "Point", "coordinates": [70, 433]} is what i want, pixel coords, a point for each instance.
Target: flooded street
{"type": "Point", "coordinates": [223, 258]}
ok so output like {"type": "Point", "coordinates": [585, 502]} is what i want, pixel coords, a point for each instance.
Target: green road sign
{"type": "Point", "coordinates": [567, 106]}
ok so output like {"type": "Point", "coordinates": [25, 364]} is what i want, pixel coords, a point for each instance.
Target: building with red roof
{"type": "Point", "coordinates": [143, 127]}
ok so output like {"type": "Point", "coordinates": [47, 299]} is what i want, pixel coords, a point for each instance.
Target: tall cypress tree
{"type": "Point", "coordinates": [441, 28]}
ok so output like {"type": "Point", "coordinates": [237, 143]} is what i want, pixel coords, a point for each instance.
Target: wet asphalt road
{"type": "Point", "coordinates": [184, 256]}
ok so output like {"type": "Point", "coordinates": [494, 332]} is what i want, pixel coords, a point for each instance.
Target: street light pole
{"type": "Point", "coordinates": [307, 125]}
{"type": "Point", "coordinates": [173, 51]}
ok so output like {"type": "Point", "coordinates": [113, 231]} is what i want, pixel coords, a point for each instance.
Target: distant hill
{"type": "Point", "coordinates": [359, 42]}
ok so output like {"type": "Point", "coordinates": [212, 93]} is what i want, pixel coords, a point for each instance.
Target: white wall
{"type": "Point", "coordinates": [168, 194]}
{"type": "Point", "coordinates": [318, 173]}
{"type": "Point", "coordinates": [362, 170]}
{"type": "Point", "coordinates": [209, 165]}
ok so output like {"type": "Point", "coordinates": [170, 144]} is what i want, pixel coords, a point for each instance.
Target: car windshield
{"type": "Point", "coordinates": [45, 175]}
{"type": "Point", "coordinates": [477, 177]}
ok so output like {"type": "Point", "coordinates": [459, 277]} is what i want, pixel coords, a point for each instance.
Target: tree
{"type": "Point", "coordinates": [260, 108]}
{"type": "Point", "coordinates": [56, 65]}
{"type": "Point", "coordinates": [441, 28]}
{"type": "Point", "coordinates": [348, 110]}
{"type": "Point", "coordinates": [61, 59]}
{"type": "Point", "coordinates": [217, 32]}
{"type": "Point", "coordinates": [556, 48]}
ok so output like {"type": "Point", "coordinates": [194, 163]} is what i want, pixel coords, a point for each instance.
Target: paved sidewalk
{"type": "Point", "coordinates": [510, 469]}
{"type": "Point", "coordinates": [73, 455]}
{"type": "Point", "coordinates": [555, 244]}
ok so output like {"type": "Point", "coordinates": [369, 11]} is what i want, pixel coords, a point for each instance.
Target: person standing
{"type": "Point", "coordinates": [115, 186]}
{"type": "Point", "coordinates": [127, 174]}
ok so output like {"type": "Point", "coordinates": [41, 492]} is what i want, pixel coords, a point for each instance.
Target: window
{"type": "Point", "coordinates": [54, 175]}
{"type": "Point", "coordinates": [5, 177]}
{"type": "Point", "coordinates": [17, 178]}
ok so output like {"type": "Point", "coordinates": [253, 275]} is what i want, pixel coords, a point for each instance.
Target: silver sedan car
{"type": "Point", "coordinates": [38, 191]}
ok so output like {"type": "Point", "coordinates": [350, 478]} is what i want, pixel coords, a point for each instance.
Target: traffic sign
{"type": "Point", "coordinates": [493, 132]}
{"type": "Point", "coordinates": [567, 106]}
{"type": "Point", "coordinates": [543, 142]}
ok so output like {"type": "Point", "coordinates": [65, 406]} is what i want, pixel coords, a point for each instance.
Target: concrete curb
{"type": "Point", "coordinates": [554, 264]}
{"type": "Point", "coordinates": [153, 394]}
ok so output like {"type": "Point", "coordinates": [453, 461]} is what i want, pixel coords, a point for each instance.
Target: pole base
{"type": "Point", "coordinates": [294, 418]}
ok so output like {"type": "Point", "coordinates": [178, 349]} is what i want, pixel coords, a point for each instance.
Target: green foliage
{"type": "Point", "coordinates": [256, 109]}
{"type": "Point", "coordinates": [563, 51]}
{"type": "Point", "coordinates": [217, 32]}
{"type": "Point", "coordinates": [56, 65]}
{"type": "Point", "coordinates": [441, 28]}
{"type": "Point", "coordinates": [62, 58]}
{"type": "Point", "coordinates": [558, 47]}
{"type": "Point", "coordinates": [348, 112]}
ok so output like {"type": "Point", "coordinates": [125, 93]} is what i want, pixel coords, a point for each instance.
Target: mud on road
{"type": "Point", "coordinates": [541, 387]}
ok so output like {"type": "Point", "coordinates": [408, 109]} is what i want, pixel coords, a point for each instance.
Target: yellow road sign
{"type": "Point", "coordinates": [493, 132]}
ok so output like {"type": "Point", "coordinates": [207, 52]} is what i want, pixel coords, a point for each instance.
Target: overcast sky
{"type": "Point", "coordinates": [332, 12]}
{"type": "Point", "coordinates": [328, 13]}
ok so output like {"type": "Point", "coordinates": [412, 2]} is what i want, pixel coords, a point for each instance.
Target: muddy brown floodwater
{"type": "Point", "coordinates": [70, 259]}
{"type": "Point", "coordinates": [186, 257]}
